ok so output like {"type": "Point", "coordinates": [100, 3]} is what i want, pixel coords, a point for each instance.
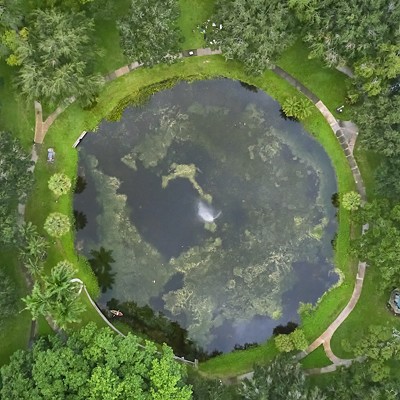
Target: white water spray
{"type": "Point", "coordinates": [206, 212]}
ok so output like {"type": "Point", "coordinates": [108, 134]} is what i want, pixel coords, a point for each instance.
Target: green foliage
{"type": "Point", "coordinates": [57, 224]}
{"type": "Point", "coordinates": [15, 182]}
{"type": "Point", "coordinates": [148, 33]}
{"type": "Point", "coordinates": [299, 108]}
{"type": "Point", "coordinates": [354, 383]}
{"type": "Point", "coordinates": [284, 343]}
{"type": "Point", "coordinates": [293, 341]}
{"type": "Point", "coordinates": [354, 33]}
{"type": "Point", "coordinates": [55, 296]}
{"type": "Point", "coordinates": [91, 364]}
{"type": "Point", "coordinates": [378, 120]}
{"type": "Point", "coordinates": [56, 57]}
{"type": "Point", "coordinates": [254, 32]}
{"type": "Point", "coordinates": [59, 184]}
{"type": "Point", "coordinates": [282, 379]}
{"type": "Point", "coordinates": [32, 248]}
{"type": "Point", "coordinates": [8, 298]}
{"type": "Point", "coordinates": [379, 346]}
{"type": "Point", "coordinates": [351, 201]}
{"type": "Point", "coordinates": [380, 245]}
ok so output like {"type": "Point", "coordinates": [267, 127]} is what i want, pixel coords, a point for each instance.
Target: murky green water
{"type": "Point", "coordinates": [215, 210]}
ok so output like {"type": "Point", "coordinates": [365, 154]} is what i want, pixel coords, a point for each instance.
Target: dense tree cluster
{"type": "Point", "coordinates": [254, 32]}
{"type": "Point", "coordinates": [92, 364]}
{"type": "Point", "coordinates": [148, 33]}
{"type": "Point", "coordinates": [15, 181]}
{"type": "Point", "coordinates": [360, 34]}
{"type": "Point", "coordinates": [55, 53]}
{"type": "Point", "coordinates": [380, 245]}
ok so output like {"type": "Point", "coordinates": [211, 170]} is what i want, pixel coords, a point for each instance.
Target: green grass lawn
{"type": "Point", "coordinates": [193, 14]}
{"type": "Point", "coordinates": [328, 84]}
{"type": "Point", "coordinates": [316, 359]}
{"type": "Point", "coordinates": [72, 122]}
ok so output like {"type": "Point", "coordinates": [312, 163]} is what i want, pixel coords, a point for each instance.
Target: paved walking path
{"type": "Point", "coordinates": [41, 127]}
{"type": "Point", "coordinates": [345, 132]}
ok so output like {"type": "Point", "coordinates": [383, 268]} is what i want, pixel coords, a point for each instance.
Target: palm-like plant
{"type": "Point", "coordinates": [56, 296]}
{"type": "Point", "coordinates": [59, 184]}
{"type": "Point", "coordinates": [38, 302]}
{"type": "Point", "coordinates": [57, 224]}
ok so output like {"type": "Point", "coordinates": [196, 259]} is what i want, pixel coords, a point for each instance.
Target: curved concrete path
{"type": "Point", "coordinates": [346, 133]}
{"type": "Point", "coordinates": [41, 127]}
{"type": "Point", "coordinates": [346, 140]}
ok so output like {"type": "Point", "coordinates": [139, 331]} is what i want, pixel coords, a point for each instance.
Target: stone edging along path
{"type": "Point", "coordinates": [41, 128]}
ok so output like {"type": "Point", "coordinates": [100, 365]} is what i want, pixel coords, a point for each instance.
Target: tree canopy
{"type": "Point", "coordinates": [94, 363]}
{"type": "Point", "coordinates": [361, 34]}
{"type": "Point", "coordinates": [55, 54]}
{"type": "Point", "coordinates": [148, 32]}
{"type": "Point", "coordinates": [254, 32]}
{"type": "Point", "coordinates": [15, 182]}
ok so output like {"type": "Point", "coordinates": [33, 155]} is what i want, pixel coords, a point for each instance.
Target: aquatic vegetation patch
{"type": "Point", "coordinates": [256, 203]}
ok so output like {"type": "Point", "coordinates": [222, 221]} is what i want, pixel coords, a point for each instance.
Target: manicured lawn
{"type": "Point", "coordinates": [193, 14]}
{"type": "Point", "coordinates": [316, 359]}
{"type": "Point", "coordinates": [327, 83]}
{"type": "Point", "coordinates": [72, 122]}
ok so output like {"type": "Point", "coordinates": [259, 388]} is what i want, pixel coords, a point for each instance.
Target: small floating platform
{"type": "Point", "coordinates": [394, 301]}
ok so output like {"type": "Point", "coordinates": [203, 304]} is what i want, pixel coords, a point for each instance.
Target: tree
{"type": "Point", "coordinates": [55, 57]}
{"type": "Point", "coordinates": [59, 184]}
{"type": "Point", "coordinates": [351, 201]}
{"type": "Point", "coordinates": [299, 108]}
{"type": "Point", "coordinates": [379, 120]}
{"type": "Point", "coordinates": [282, 379]}
{"type": "Point", "coordinates": [32, 248]}
{"type": "Point", "coordinates": [360, 34]}
{"type": "Point", "coordinates": [380, 245]}
{"type": "Point", "coordinates": [57, 224]}
{"type": "Point", "coordinates": [380, 346]}
{"type": "Point", "coordinates": [148, 32]}
{"type": "Point", "coordinates": [254, 32]}
{"type": "Point", "coordinates": [15, 182]}
{"type": "Point", "coordinates": [93, 363]}
{"type": "Point", "coordinates": [293, 341]}
{"type": "Point", "coordinates": [56, 296]}
{"type": "Point", "coordinates": [8, 298]}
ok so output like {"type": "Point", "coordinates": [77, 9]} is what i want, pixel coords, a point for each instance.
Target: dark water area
{"type": "Point", "coordinates": [216, 210]}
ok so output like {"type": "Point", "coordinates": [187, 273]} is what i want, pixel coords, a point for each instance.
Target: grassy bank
{"type": "Point", "coordinates": [72, 122]}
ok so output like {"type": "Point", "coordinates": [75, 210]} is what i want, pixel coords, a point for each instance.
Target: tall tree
{"type": "Point", "coordinates": [55, 57]}
{"type": "Point", "coordinates": [15, 182]}
{"type": "Point", "coordinates": [362, 34]}
{"type": "Point", "coordinates": [91, 364]}
{"type": "Point", "coordinates": [282, 379]}
{"type": "Point", "coordinates": [56, 296]}
{"type": "Point", "coordinates": [57, 224]}
{"type": "Point", "coordinates": [149, 33]}
{"type": "Point", "coordinates": [254, 32]}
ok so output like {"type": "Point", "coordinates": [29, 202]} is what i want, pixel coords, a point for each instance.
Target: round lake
{"type": "Point", "coordinates": [209, 207]}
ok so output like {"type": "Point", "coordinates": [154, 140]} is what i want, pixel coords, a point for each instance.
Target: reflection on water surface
{"type": "Point", "coordinates": [216, 211]}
